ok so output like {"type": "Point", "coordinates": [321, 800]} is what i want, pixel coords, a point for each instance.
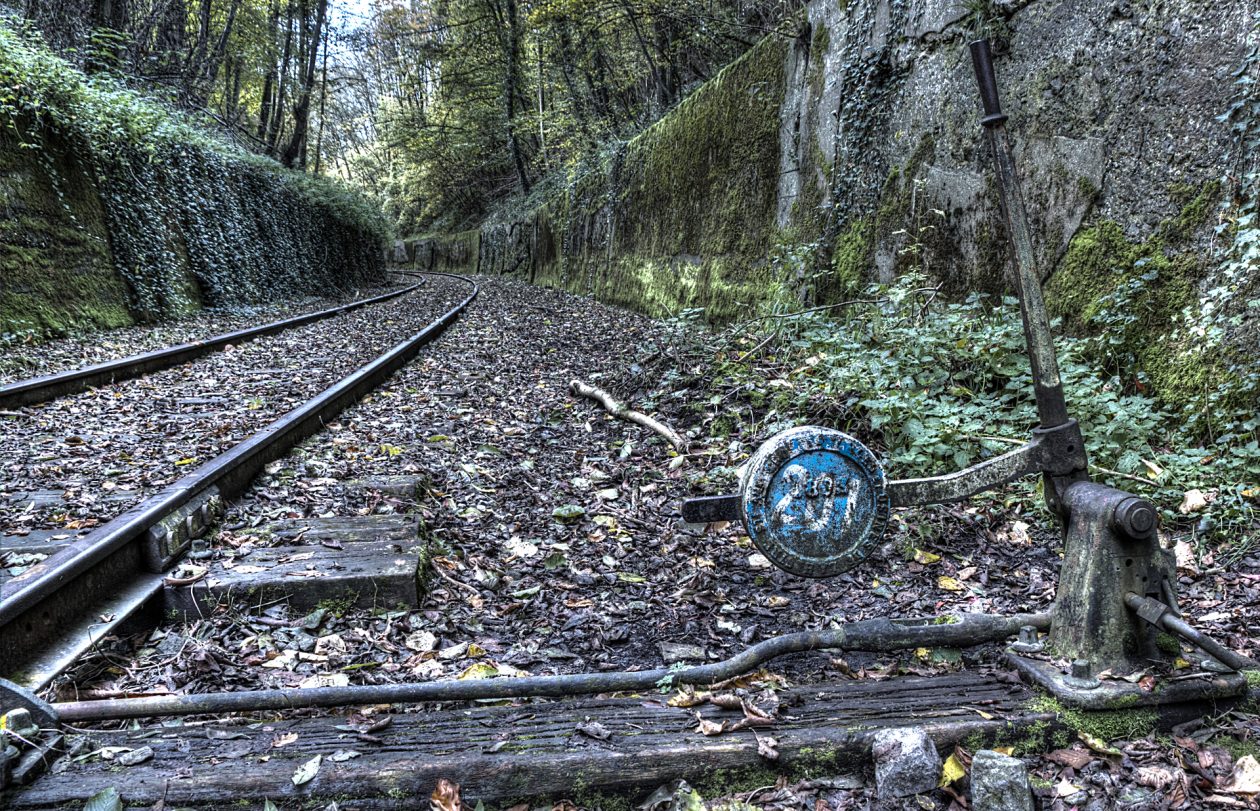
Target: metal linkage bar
{"type": "Point", "coordinates": [1161, 616]}
{"type": "Point", "coordinates": [883, 634]}
{"type": "Point", "coordinates": [1058, 451]}
{"type": "Point", "coordinates": [49, 387]}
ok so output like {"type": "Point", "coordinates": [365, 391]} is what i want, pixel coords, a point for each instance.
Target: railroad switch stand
{"type": "Point", "coordinates": [815, 502]}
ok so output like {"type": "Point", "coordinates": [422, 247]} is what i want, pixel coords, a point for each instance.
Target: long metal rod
{"type": "Point", "coordinates": [883, 634]}
{"type": "Point", "coordinates": [229, 471]}
{"type": "Point", "coordinates": [1173, 624]}
{"type": "Point", "coordinates": [47, 387]}
{"type": "Point", "coordinates": [1051, 405]}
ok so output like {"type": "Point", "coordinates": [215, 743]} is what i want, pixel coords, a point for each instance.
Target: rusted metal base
{"type": "Point", "coordinates": [1117, 694]}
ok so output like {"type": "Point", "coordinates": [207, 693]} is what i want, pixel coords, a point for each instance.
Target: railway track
{"type": "Point", "coordinates": [58, 384]}
{"type": "Point", "coordinates": [91, 585]}
{"type": "Point", "coordinates": [134, 594]}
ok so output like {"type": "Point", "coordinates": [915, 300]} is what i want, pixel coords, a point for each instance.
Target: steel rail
{"type": "Point", "coordinates": [230, 472]}
{"type": "Point", "coordinates": [49, 387]}
{"type": "Point", "coordinates": [882, 634]}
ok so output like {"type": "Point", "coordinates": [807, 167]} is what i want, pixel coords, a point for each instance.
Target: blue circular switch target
{"type": "Point", "coordinates": [814, 501]}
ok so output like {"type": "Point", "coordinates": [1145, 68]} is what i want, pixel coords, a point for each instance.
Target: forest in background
{"type": "Point", "coordinates": [438, 109]}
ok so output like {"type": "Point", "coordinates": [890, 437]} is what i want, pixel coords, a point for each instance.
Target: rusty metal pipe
{"type": "Point", "coordinates": [883, 634]}
{"type": "Point", "coordinates": [1161, 615]}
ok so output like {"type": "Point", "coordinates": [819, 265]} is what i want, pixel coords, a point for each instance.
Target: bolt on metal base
{"type": "Point", "coordinates": [1028, 641]}
{"type": "Point", "coordinates": [1090, 693]}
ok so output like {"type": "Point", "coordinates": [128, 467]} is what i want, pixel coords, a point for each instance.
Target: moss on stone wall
{"type": "Point", "coordinates": [55, 271]}
{"type": "Point", "coordinates": [117, 208]}
{"type": "Point", "coordinates": [1136, 292]}
{"type": "Point", "coordinates": [702, 180]}
{"type": "Point", "coordinates": [683, 215]}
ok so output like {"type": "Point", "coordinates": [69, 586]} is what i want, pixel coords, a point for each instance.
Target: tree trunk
{"type": "Point", "coordinates": [276, 122]}
{"type": "Point", "coordinates": [302, 109]}
{"type": "Point", "coordinates": [510, 90]}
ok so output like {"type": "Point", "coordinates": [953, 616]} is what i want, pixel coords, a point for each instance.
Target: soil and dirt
{"type": "Point", "coordinates": [558, 547]}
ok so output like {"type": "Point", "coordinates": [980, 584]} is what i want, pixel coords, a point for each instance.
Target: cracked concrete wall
{"type": "Point", "coordinates": [1112, 108]}
{"type": "Point", "coordinates": [881, 159]}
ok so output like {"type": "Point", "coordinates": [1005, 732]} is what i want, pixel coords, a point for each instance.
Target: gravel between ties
{"type": "Point", "coordinates": [78, 461]}
{"type": "Point", "coordinates": [20, 361]}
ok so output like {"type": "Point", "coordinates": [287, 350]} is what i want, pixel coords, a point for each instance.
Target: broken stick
{"type": "Point", "coordinates": [629, 415]}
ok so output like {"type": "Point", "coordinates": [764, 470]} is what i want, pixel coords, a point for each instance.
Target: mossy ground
{"type": "Point", "coordinates": [1106, 725]}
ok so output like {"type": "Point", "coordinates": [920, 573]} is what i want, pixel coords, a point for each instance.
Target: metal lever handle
{"type": "Point", "coordinates": [982, 61]}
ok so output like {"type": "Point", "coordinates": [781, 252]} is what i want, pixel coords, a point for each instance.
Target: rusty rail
{"type": "Point", "coordinates": [48, 601]}
{"type": "Point", "coordinates": [49, 387]}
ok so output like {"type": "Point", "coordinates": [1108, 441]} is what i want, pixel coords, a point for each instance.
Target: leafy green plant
{"type": "Point", "coordinates": [937, 385]}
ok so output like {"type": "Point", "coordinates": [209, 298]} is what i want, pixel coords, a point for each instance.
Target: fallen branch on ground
{"type": "Point", "coordinates": [622, 413]}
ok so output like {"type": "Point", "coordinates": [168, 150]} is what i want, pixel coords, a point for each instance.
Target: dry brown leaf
{"type": "Point", "coordinates": [687, 697]}
{"type": "Point", "coordinates": [283, 740]}
{"type": "Point", "coordinates": [727, 701]}
{"type": "Point", "coordinates": [1072, 758]}
{"type": "Point", "coordinates": [445, 796]}
{"type": "Point", "coordinates": [707, 727]}
{"type": "Point", "coordinates": [1193, 502]}
{"type": "Point", "coordinates": [1245, 778]}
{"type": "Point", "coordinates": [594, 729]}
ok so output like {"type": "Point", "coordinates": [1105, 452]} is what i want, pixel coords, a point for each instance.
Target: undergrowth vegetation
{"type": "Point", "coordinates": [191, 217]}
{"type": "Point", "coordinates": [936, 385]}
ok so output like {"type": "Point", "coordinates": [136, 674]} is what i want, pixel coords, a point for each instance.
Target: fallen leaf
{"type": "Point", "coordinates": [1192, 502]}
{"type": "Point", "coordinates": [307, 771]}
{"type": "Point", "coordinates": [925, 557]}
{"type": "Point", "coordinates": [1187, 560]}
{"type": "Point", "coordinates": [481, 670]}
{"type": "Point", "coordinates": [1099, 745]}
{"type": "Point", "coordinates": [135, 757]}
{"type": "Point", "coordinates": [767, 747]}
{"type": "Point", "coordinates": [1072, 758]}
{"type": "Point", "coordinates": [1245, 778]}
{"type": "Point", "coordinates": [445, 797]}
{"type": "Point", "coordinates": [949, 583]}
{"type": "Point", "coordinates": [689, 698]}
{"type": "Point", "coordinates": [594, 729]}
{"type": "Point", "coordinates": [283, 740]}
{"type": "Point", "coordinates": [420, 641]}
{"type": "Point", "coordinates": [568, 513]}
{"type": "Point", "coordinates": [952, 771]}
{"type": "Point", "coordinates": [709, 728]}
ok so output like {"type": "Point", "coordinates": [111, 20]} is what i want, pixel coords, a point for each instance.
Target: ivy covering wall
{"type": "Point", "coordinates": [678, 216]}
{"type": "Point", "coordinates": [118, 210]}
